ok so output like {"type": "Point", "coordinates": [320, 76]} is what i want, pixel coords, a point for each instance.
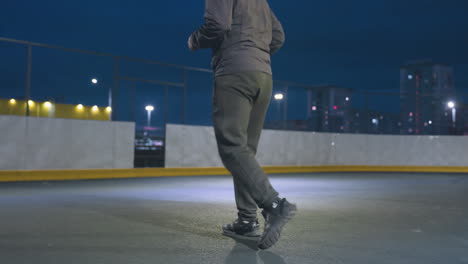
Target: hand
{"type": "Point", "coordinates": [190, 43]}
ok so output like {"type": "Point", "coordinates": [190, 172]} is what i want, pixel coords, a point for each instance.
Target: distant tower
{"type": "Point", "coordinates": [329, 108]}
{"type": "Point", "coordinates": [425, 89]}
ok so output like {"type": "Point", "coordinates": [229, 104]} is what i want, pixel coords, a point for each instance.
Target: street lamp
{"type": "Point", "coordinates": [375, 121]}
{"type": "Point", "coordinates": [451, 105]}
{"type": "Point", "coordinates": [109, 93]}
{"type": "Point", "coordinates": [278, 97]}
{"type": "Point", "coordinates": [49, 107]}
{"type": "Point", "coordinates": [149, 109]}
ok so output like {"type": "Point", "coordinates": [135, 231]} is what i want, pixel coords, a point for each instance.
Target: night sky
{"type": "Point", "coordinates": [355, 44]}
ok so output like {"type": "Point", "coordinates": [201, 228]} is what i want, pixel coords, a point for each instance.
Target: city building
{"type": "Point", "coordinates": [328, 108]}
{"type": "Point", "coordinates": [374, 122]}
{"type": "Point", "coordinates": [425, 90]}
{"type": "Point", "coordinates": [462, 119]}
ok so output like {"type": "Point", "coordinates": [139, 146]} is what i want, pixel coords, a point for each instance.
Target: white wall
{"type": "Point", "coordinates": [30, 143]}
{"type": "Point", "coordinates": [195, 146]}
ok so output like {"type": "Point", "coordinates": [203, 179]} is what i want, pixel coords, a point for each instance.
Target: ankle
{"type": "Point", "coordinates": [273, 205]}
{"type": "Point", "coordinates": [243, 218]}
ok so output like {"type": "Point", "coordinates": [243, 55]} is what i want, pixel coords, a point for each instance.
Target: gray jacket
{"type": "Point", "coordinates": [241, 33]}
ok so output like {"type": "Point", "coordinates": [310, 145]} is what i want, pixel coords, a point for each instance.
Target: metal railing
{"type": "Point", "coordinates": [302, 107]}
{"type": "Point", "coordinates": [116, 78]}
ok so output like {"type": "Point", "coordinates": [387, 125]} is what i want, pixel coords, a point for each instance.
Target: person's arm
{"type": "Point", "coordinates": [218, 20]}
{"type": "Point", "coordinates": [278, 35]}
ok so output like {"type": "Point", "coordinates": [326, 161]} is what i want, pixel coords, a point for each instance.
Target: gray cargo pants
{"type": "Point", "coordinates": [240, 103]}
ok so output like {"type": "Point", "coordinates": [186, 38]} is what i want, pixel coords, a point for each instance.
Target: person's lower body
{"type": "Point", "coordinates": [240, 103]}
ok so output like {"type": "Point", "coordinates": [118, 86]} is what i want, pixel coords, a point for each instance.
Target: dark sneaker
{"type": "Point", "coordinates": [242, 229]}
{"type": "Point", "coordinates": [275, 219]}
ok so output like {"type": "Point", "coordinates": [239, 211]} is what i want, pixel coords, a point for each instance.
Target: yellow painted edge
{"type": "Point", "coordinates": [364, 168]}
{"type": "Point", "coordinates": [58, 175]}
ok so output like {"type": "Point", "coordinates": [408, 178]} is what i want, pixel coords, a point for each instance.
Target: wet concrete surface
{"type": "Point", "coordinates": [342, 218]}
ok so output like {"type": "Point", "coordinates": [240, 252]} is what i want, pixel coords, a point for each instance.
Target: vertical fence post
{"type": "Point", "coordinates": [184, 94]}
{"type": "Point", "coordinates": [114, 89]}
{"type": "Point", "coordinates": [132, 102]}
{"type": "Point", "coordinates": [28, 79]}
{"type": "Point", "coordinates": [285, 109]}
{"type": "Point", "coordinates": [109, 97]}
{"type": "Point", "coordinates": [367, 119]}
{"type": "Point", "coordinates": [278, 113]}
{"type": "Point", "coordinates": [166, 103]}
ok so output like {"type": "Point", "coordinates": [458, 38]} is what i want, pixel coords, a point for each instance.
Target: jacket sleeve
{"type": "Point", "coordinates": [278, 34]}
{"type": "Point", "coordinates": [218, 20]}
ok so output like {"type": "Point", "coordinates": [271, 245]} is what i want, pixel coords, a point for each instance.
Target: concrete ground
{"type": "Point", "coordinates": [343, 218]}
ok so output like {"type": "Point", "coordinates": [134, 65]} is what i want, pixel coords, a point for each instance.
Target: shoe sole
{"type": "Point", "coordinates": [274, 234]}
{"type": "Point", "coordinates": [237, 236]}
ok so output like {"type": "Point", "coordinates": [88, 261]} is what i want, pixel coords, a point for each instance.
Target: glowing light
{"type": "Point", "coordinates": [335, 107]}
{"type": "Point", "coordinates": [79, 107]}
{"type": "Point", "coordinates": [47, 104]}
{"type": "Point", "coordinates": [410, 77]}
{"type": "Point", "coordinates": [12, 101]}
{"type": "Point", "coordinates": [149, 108]}
{"type": "Point", "coordinates": [411, 114]}
{"type": "Point", "coordinates": [314, 108]}
{"type": "Point", "coordinates": [347, 99]}
{"type": "Point", "coordinates": [94, 108]}
{"type": "Point", "coordinates": [279, 96]}
{"type": "Point", "coordinates": [108, 109]}
{"type": "Point", "coordinates": [375, 121]}
{"type": "Point", "coordinates": [451, 104]}
{"type": "Point", "coordinates": [30, 103]}
{"type": "Point", "coordinates": [94, 80]}
{"type": "Point", "coordinates": [430, 122]}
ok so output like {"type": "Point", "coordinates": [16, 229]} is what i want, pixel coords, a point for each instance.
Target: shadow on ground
{"type": "Point", "coordinates": [246, 252]}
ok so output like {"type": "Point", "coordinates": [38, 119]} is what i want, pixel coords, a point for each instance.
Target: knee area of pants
{"type": "Point", "coordinates": [226, 156]}
{"type": "Point", "coordinates": [233, 151]}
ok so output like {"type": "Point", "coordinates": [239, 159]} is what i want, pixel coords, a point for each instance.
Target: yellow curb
{"type": "Point", "coordinates": [91, 174]}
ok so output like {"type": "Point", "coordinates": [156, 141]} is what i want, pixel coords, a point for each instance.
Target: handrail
{"type": "Point", "coordinates": [102, 54]}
